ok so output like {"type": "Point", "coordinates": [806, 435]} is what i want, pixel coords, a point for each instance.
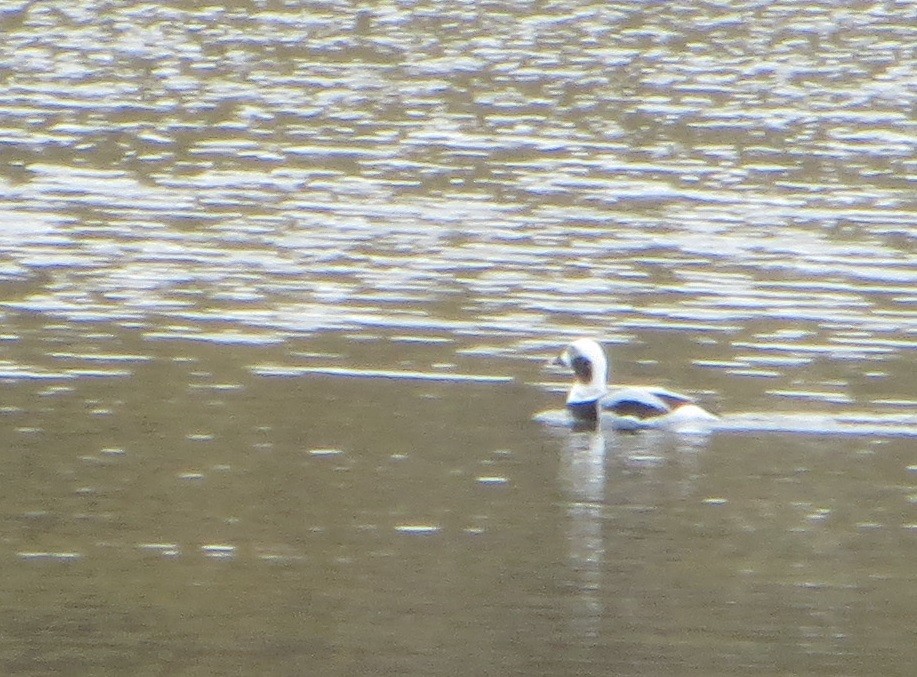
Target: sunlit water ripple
{"type": "Point", "coordinates": [401, 175]}
{"type": "Point", "coordinates": [278, 281]}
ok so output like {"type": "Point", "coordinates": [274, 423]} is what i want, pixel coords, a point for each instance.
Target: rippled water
{"type": "Point", "coordinates": [277, 280]}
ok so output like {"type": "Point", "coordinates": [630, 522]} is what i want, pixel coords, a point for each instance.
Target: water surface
{"type": "Point", "coordinates": [278, 280]}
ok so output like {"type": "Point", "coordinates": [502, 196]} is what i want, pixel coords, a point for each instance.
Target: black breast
{"type": "Point", "coordinates": [584, 411]}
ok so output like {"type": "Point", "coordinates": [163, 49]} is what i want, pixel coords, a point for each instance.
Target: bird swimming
{"type": "Point", "coordinates": [628, 407]}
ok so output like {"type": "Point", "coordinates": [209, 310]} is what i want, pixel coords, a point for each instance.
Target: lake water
{"type": "Point", "coordinates": [278, 281]}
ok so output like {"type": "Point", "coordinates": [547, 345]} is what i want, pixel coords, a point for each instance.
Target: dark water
{"type": "Point", "coordinates": [278, 279]}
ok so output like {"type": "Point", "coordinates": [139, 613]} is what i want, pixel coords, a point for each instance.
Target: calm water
{"type": "Point", "coordinates": [278, 280]}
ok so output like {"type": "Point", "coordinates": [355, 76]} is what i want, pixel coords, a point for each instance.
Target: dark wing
{"type": "Point", "coordinates": [643, 403]}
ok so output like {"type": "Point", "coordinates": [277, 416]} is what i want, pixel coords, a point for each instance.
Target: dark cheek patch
{"type": "Point", "coordinates": [582, 368]}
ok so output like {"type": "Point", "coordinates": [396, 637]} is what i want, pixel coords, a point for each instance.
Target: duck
{"type": "Point", "coordinates": [590, 401]}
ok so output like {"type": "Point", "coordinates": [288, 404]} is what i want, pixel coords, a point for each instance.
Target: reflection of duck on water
{"type": "Point", "coordinates": [629, 407]}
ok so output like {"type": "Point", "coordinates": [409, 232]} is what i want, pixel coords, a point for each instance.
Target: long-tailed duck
{"type": "Point", "coordinates": [628, 407]}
